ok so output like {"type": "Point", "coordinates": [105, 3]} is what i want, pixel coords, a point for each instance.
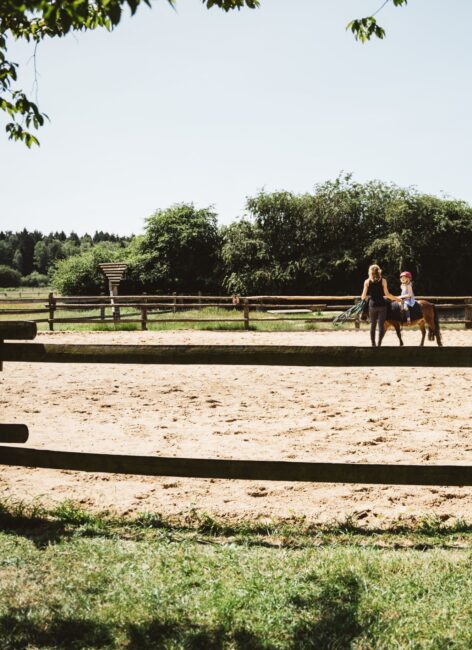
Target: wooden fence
{"type": "Point", "coordinates": [148, 309]}
{"type": "Point", "coordinates": [398, 474]}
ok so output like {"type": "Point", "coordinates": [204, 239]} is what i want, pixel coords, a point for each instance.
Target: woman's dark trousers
{"type": "Point", "coordinates": [377, 315]}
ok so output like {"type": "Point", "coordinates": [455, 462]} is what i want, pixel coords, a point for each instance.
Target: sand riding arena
{"type": "Point", "coordinates": [419, 415]}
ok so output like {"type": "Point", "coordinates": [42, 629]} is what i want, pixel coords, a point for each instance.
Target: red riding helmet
{"type": "Point", "coordinates": [407, 274]}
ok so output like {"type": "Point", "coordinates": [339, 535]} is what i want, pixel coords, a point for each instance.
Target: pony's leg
{"type": "Point", "coordinates": [430, 316]}
{"type": "Point", "coordinates": [437, 328]}
{"type": "Point", "coordinates": [423, 332]}
{"type": "Point", "coordinates": [399, 332]}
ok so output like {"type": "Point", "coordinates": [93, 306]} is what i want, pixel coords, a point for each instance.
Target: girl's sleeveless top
{"type": "Point", "coordinates": [376, 293]}
{"type": "Point", "coordinates": [409, 301]}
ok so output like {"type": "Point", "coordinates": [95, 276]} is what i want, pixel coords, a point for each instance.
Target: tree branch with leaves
{"type": "Point", "coordinates": [36, 20]}
{"type": "Point", "coordinates": [365, 28]}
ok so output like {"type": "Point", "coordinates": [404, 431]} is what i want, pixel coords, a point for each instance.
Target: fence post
{"type": "Point", "coordinates": [246, 313]}
{"type": "Point", "coordinates": [102, 309]}
{"type": "Point", "coordinates": [199, 297]}
{"type": "Point", "coordinates": [174, 309]}
{"type": "Point", "coordinates": [144, 314]}
{"type": "Point", "coordinates": [52, 309]}
{"type": "Point", "coordinates": [115, 308]}
{"type": "Point", "coordinates": [468, 314]}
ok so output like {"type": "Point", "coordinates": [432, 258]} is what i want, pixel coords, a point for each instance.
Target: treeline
{"type": "Point", "coordinates": [27, 258]}
{"type": "Point", "coordinates": [315, 243]}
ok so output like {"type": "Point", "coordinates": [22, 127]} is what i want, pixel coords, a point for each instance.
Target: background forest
{"type": "Point", "coordinates": [314, 243]}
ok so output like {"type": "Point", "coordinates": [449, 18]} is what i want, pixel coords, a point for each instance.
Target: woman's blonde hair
{"type": "Point", "coordinates": [375, 273]}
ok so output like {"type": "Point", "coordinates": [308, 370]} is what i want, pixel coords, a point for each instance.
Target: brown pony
{"type": "Point", "coordinates": [428, 320]}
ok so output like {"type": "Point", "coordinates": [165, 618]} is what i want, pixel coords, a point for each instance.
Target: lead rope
{"type": "Point", "coordinates": [349, 313]}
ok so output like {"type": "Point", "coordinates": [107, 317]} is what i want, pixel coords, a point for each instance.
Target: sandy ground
{"type": "Point", "coordinates": [319, 414]}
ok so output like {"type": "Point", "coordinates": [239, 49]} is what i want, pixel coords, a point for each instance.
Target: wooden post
{"type": "Point", "coordinates": [175, 302]}
{"type": "Point", "coordinates": [115, 308]}
{"type": "Point", "coordinates": [246, 314]}
{"type": "Point", "coordinates": [13, 433]}
{"type": "Point", "coordinates": [52, 309]}
{"type": "Point", "coordinates": [102, 310]}
{"type": "Point", "coordinates": [113, 271]}
{"type": "Point", "coordinates": [144, 314]}
{"type": "Point", "coordinates": [199, 297]}
{"type": "Point", "coordinates": [468, 314]}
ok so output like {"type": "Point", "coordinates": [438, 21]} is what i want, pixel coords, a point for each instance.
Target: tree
{"type": "Point", "coordinates": [246, 259]}
{"type": "Point", "coordinates": [41, 257]}
{"type": "Point", "coordinates": [6, 252]}
{"type": "Point", "coordinates": [431, 237]}
{"type": "Point", "coordinates": [178, 252]}
{"type": "Point", "coordinates": [35, 20]}
{"type": "Point", "coordinates": [324, 242]}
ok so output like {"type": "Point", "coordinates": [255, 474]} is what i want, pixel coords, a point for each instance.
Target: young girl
{"type": "Point", "coordinates": [407, 296]}
{"type": "Point", "coordinates": [375, 287]}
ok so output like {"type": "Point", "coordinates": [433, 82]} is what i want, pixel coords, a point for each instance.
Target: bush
{"type": "Point", "coordinates": [9, 277]}
{"type": "Point", "coordinates": [35, 279]}
{"type": "Point", "coordinates": [80, 274]}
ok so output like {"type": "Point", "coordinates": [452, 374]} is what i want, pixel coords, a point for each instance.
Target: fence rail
{"type": "Point", "coordinates": [151, 309]}
{"type": "Point", "coordinates": [265, 355]}
{"type": "Point", "coordinates": [250, 470]}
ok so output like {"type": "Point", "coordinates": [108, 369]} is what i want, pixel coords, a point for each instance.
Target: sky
{"type": "Point", "coordinates": [201, 106]}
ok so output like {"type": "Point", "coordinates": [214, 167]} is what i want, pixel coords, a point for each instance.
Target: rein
{"type": "Point", "coordinates": [349, 313]}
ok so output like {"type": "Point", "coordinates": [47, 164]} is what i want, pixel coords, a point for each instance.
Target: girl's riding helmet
{"type": "Point", "coordinates": [407, 274]}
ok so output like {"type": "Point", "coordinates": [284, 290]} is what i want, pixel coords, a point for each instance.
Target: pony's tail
{"type": "Point", "coordinates": [437, 329]}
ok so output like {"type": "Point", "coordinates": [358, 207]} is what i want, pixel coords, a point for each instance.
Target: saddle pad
{"type": "Point", "coordinates": [394, 313]}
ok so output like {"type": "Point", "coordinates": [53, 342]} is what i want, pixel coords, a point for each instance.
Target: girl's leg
{"type": "Point", "coordinates": [382, 318]}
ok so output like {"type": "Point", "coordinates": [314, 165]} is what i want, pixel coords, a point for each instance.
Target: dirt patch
{"type": "Point", "coordinates": [419, 415]}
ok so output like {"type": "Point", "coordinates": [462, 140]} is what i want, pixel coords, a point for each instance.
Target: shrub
{"type": "Point", "coordinates": [80, 274]}
{"type": "Point", "coordinates": [35, 279]}
{"type": "Point", "coordinates": [9, 277]}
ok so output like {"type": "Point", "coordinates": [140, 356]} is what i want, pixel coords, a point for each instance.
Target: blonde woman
{"type": "Point", "coordinates": [376, 291]}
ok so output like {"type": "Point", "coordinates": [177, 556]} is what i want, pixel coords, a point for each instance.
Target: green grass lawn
{"type": "Point", "coordinates": [69, 579]}
{"type": "Point", "coordinates": [27, 292]}
{"type": "Point", "coordinates": [169, 321]}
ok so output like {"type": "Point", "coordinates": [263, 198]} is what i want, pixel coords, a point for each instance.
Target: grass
{"type": "Point", "coordinates": [217, 314]}
{"type": "Point", "coordinates": [28, 292]}
{"type": "Point", "coordinates": [72, 579]}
